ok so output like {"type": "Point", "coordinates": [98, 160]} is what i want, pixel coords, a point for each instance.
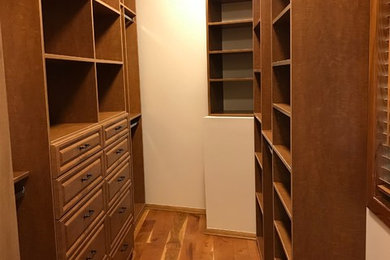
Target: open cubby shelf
{"type": "Point", "coordinates": [284, 154]}
{"type": "Point", "coordinates": [107, 29]}
{"type": "Point", "coordinates": [259, 199]}
{"type": "Point", "coordinates": [257, 117]}
{"type": "Point", "coordinates": [223, 11]}
{"type": "Point", "coordinates": [284, 238]}
{"type": "Point", "coordinates": [128, 12]}
{"type": "Point", "coordinates": [283, 108]}
{"type": "Point", "coordinates": [278, 7]}
{"type": "Point", "coordinates": [130, 4]}
{"type": "Point", "coordinates": [232, 51]}
{"type": "Point", "coordinates": [282, 225]}
{"type": "Point", "coordinates": [283, 16]}
{"type": "Point", "coordinates": [68, 28]}
{"type": "Point", "coordinates": [281, 129]}
{"type": "Point", "coordinates": [259, 159]}
{"type": "Point", "coordinates": [231, 80]}
{"type": "Point", "coordinates": [284, 197]}
{"type": "Point", "coordinates": [109, 5]}
{"type": "Point", "coordinates": [268, 136]}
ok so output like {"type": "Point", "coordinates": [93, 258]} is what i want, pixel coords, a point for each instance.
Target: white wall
{"type": "Point", "coordinates": [378, 238]}
{"type": "Point", "coordinates": [173, 71]}
{"type": "Point", "coordinates": [229, 173]}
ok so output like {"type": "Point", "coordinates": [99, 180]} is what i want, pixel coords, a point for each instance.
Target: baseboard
{"type": "Point", "coordinates": [228, 233]}
{"type": "Point", "coordinates": [176, 209]}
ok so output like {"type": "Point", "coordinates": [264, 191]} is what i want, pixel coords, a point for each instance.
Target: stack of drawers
{"type": "Point", "coordinates": [93, 192]}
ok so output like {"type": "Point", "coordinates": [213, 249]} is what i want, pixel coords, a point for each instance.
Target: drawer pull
{"type": "Point", "coordinates": [124, 247]}
{"type": "Point", "coordinates": [84, 146]}
{"type": "Point", "coordinates": [93, 253]}
{"type": "Point", "coordinates": [87, 177]}
{"type": "Point", "coordinates": [122, 210]}
{"type": "Point", "coordinates": [121, 178]}
{"type": "Point", "coordinates": [119, 151]}
{"type": "Point", "coordinates": [118, 128]}
{"type": "Point", "coordinates": [89, 214]}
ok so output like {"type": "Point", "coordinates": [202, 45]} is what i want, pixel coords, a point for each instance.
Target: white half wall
{"type": "Point", "coordinates": [230, 173]}
{"type": "Point", "coordinates": [378, 238]}
{"type": "Point", "coordinates": [173, 72]}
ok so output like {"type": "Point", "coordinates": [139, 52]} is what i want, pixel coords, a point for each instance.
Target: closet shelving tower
{"type": "Point", "coordinates": [76, 125]}
{"type": "Point", "coordinates": [311, 163]}
{"type": "Point", "coordinates": [230, 56]}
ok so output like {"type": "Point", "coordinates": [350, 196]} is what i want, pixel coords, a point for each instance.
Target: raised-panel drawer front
{"type": "Point", "coordinates": [115, 128]}
{"type": "Point", "coordinates": [126, 246]}
{"type": "Point", "coordinates": [119, 214]}
{"type": "Point", "coordinates": [120, 177]}
{"type": "Point", "coordinates": [73, 225]}
{"type": "Point", "coordinates": [74, 149]}
{"type": "Point", "coordinates": [116, 151]}
{"type": "Point", "coordinates": [76, 183]}
{"type": "Point", "coordinates": [95, 249]}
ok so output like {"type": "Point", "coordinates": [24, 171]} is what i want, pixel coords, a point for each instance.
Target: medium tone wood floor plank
{"type": "Point", "coordinates": [165, 235]}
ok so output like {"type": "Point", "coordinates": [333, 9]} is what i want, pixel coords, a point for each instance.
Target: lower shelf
{"type": "Point", "coordinates": [284, 238]}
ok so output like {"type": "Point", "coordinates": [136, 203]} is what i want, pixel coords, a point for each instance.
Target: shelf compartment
{"type": "Point", "coordinates": [130, 4]}
{"type": "Point", "coordinates": [259, 199]}
{"type": "Point", "coordinates": [60, 130]}
{"type": "Point", "coordinates": [231, 97]}
{"type": "Point", "coordinates": [219, 11]}
{"type": "Point", "coordinates": [284, 197]}
{"type": "Point", "coordinates": [258, 117]}
{"type": "Point", "coordinates": [258, 136]}
{"type": "Point", "coordinates": [284, 238]}
{"type": "Point", "coordinates": [231, 80]}
{"type": "Point", "coordinates": [129, 12]}
{"type": "Point", "coordinates": [278, 7]}
{"type": "Point", "coordinates": [237, 65]}
{"type": "Point", "coordinates": [259, 226]}
{"type": "Point", "coordinates": [281, 130]}
{"type": "Point", "coordinates": [282, 225]}
{"type": "Point", "coordinates": [284, 155]}
{"type": "Point", "coordinates": [111, 5]}
{"type": "Point", "coordinates": [283, 16]}
{"type": "Point", "coordinates": [267, 136]}
{"type": "Point", "coordinates": [107, 30]}
{"type": "Point", "coordinates": [279, 250]}
{"type": "Point", "coordinates": [281, 38]}
{"type": "Point", "coordinates": [259, 159]}
{"type": "Point", "coordinates": [68, 28]}
{"type": "Point", "coordinates": [20, 176]}
{"type": "Point", "coordinates": [283, 108]}
{"type": "Point", "coordinates": [72, 96]}
{"type": "Point", "coordinates": [232, 51]}
{"type": "Point", "coordinates": [225, 38]}
{"type": "Point", "coordinates": [281, 63]}
{"type": "Point", "coordinates": [111, 88]}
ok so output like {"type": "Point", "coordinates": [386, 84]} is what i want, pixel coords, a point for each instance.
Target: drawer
{"type": "Point", "coordinates": [74, 149]}
{"type": "Point", "coordinates": [120, 177]}
{"type": "Point", "coordinates": [95, 249]}
{"type": "Point", "coordinates": [76, 183]}
{"type": "Point", "coordinates": [119, 149]}
{"type": "Point", "coordinates": [126, 246]}
{"type": "Point", "coordinates": [114, 128]}
{"type": "Point", "coordinates": [78, 221]}
{"type": "Point", "coordinates": [119, 214]}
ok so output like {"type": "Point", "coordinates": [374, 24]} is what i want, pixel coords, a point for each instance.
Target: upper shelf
{"type": "Point", "coordinates": [232, 23]}
{"type": "Point", "coordinates": [283, 16]}
{"type": "Point", "coordinates": [20, 175]}
{"type": "Point", "coordinates": [107, 7]}
{"type": "Point", "coordinates": [128, 11]}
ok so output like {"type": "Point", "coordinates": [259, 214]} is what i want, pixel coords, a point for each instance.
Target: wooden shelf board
{"type": "Point", "coordinates": [281, 63]}
{"type": "Point", "coordinates": [268, 136]}
{"type": "Point", "coordinates": [259, 159]}
{"type": "Point", "coordinates": [233, 51]}
{"type": "Point", "coordinates": [20, 175]}
{"type": "Point", "coordinates": [257, 117]}
{"type": "Point", "coordinates": [60, 130]}
{"type": "Point", "coordinates": [256, 27]}
{"type": "Point", "coordinates": [232, 23]}
{"type": "Point", "coordinates": [384, 189]}
{"type": "Point", "coordinates": [234, 114]}
{"type": "Point", "coordinates": [107, 7]}
{"type": "Point", "coordinates": [134, 116]}
{"type": "Point", "coordinates": [259, 199]}
{"type": "Point", "coordinates": [257, 71]}
{"type": "Point", "coordinates": [113, 62]}
{"type": "Point", "coordinates": [128, 11]}
{"type": "Point", "coordinates": [231, 80]}
{"type": "Point", "coordinates": [282, 14]}
{"type": "Point", "coordinates": [284, 197]}
{"type": "Point", "coordinates": [284, 238]}
{"type": "Point", "coordinates": [108, 115]}
{"type": "Point", "coordinates": [283, 108]}
{"type": "Point", "coordinates": [285, 155]}
{"type": "Point", "coordinates": [49, 56]}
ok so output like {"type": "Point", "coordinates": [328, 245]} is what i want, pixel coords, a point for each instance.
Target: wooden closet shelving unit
{"type": "Point", "coordinates": [230, 55]}
{"type": "Point", "coordinates": [76, 125]}
{"type": "Point", "coordinates": [306, 172]}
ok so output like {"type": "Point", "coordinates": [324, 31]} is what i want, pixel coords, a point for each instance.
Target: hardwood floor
{"type": "Point", "coordinates": [165, 235]}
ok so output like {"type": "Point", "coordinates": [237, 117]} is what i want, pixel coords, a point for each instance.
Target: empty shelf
{"type": "Point", "coordinates": [107, 115]}
{"type": "Point", "coordinates": [259, 159]}
{"type": "Point", "coordinates": [50, 56]}
{"type": "Point", "coordinates": [259, 198]}
{"type": "Point", "coordinates": [258, 117]}
{"type": "Point", "coordinates": [134, 116]}
{"type": "Point", "coordinates": [113, 62]}
{"type": "Point", "coordinates": [20, 175]}
{"type": "Point", "coordinates": [384, 189]}
{"type": "Point", "coordinates": [128, 11]}
{"type": "Point", "coordinates": [283, 15]}
{"type": "Point", "coordinates": [284, 238]}
{"type": "Point", "coordinates": [268, 136]}
{"type": "Point", "coordinates": [60, 130]}
{"type": "Point", "coordinates": [231, 79]}
{"type": "Point", "coordinates": [284, 154]}
{"type": "Point", "coordinates": [281, 63]}
{"type": "Point", "coordinates": [232, 23]}
{"type": "Point", "coordinates": [232, 51]}
{"type": "Point", "coordinates": [283, 108]}
{"type": "Point", "coordinates": [284, 197]}
{"type": "Point", "coordinates": [106, 8]}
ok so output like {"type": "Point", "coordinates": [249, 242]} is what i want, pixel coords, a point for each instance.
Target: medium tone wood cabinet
{"type": "Point", "coordinates": [71, 69]}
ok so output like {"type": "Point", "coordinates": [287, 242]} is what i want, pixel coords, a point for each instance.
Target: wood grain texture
{"type": "Point", "coordinates": [179, 236]}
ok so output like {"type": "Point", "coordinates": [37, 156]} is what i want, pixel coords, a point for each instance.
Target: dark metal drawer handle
{"type": "Point", "coordinates": [89, 214]}
{"type": "Point", "coordinates": [119, 151]}
{"type": "Point", "coordinates": [84, 146]}
{"type": "Point", "coordinates": [124, 247]}
{"type": "Point", "coordinates": [118, 128]}
{"type": "Point", "coordinates": [121, 178]}
{"type": "Point", "coordinates": [122, 210]}
{"type": "Point", "coordinates": [86, 177]}
{"type": "Point", "coordinates": [93, 253]}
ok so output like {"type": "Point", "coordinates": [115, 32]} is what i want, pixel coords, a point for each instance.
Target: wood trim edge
{"type": "Point", "coordinates": [229, 233]}
{"type": "Point", "coordinates": [175, 209]}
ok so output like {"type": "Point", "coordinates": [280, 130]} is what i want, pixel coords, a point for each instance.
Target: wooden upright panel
{"type": "Point", "coordinates": [9, 244]}
{"type": "Point", "coordinates": [25, 82]}
{"type": "Point", "coordinates": [329, 127]}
